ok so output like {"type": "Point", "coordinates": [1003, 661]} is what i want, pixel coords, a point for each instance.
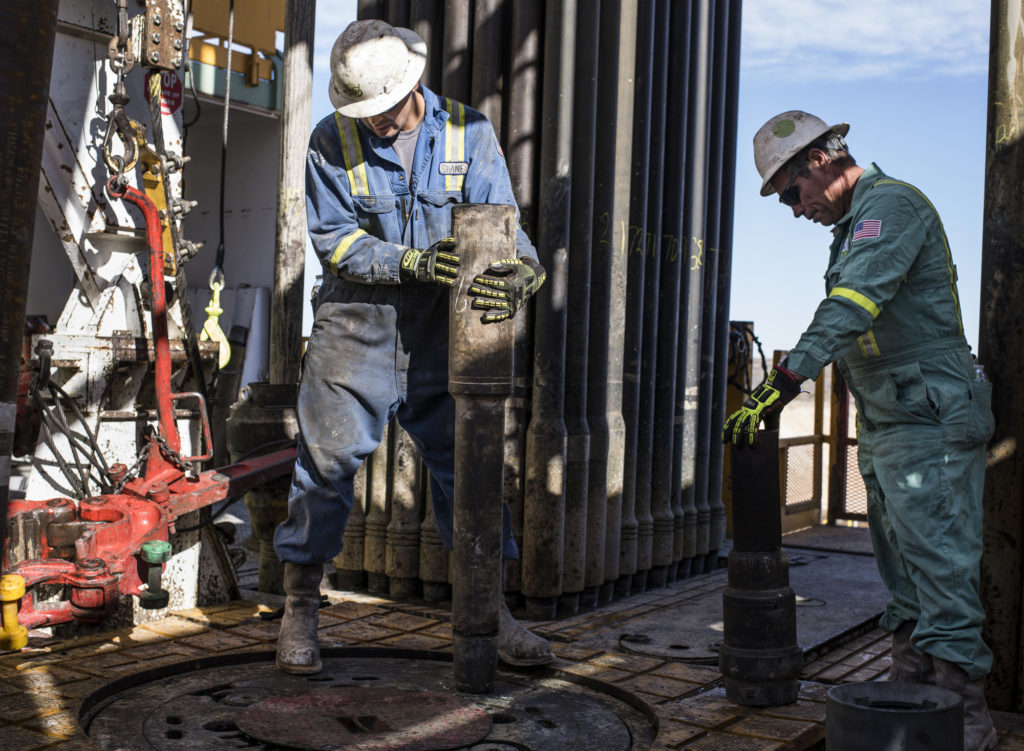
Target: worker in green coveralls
{"type": "Point", "coordinates": [891, 320]}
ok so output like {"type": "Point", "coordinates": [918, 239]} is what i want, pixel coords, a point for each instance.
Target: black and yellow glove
{"type": "Point", "coordinates": [437, 264]}
{"type": "Point", "coordinates": [765, 401]}
{"type": "Point", "coordinates": [505, 286]}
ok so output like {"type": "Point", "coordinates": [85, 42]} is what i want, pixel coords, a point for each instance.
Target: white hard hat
{"type": "Point", "coordinates": [374, 65]}
{"type": "Point", "coordinates": [782, 137]}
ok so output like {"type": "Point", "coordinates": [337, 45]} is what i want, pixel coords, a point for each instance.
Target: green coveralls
{"type": "Point", "coordinates": [892, 321]}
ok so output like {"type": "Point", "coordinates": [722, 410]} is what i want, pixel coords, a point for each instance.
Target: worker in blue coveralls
{"type": "Point", "coordinates": [891, 320]}
{"type": "Point", "coordinates": [382, 175]}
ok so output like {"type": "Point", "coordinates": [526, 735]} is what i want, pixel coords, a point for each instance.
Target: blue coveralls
{"type": "Point", "coordinates": [379, 348]}
{"type": "Point", "coordinates": [892, 320]}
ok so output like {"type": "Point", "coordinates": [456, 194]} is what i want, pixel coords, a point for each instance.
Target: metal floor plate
{"type": "Point", "coordinates": [374, 701]}
{"type": "Point", "coordinates": [834, 592]}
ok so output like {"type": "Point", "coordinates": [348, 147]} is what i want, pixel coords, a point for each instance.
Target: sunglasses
{"type": "Point", "coordinates": [790, 195]}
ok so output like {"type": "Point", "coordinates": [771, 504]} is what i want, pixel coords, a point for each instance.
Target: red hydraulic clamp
{"type": "Point", "coordinates": [113, 545]}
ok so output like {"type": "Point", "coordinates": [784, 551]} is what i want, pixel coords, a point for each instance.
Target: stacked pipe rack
{"type": "Point", "coordinates": [618, 123]}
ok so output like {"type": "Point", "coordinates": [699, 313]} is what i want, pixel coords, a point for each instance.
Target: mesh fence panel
{"type": "Point", "coordinates": [799, 474]}
{"type": "Point", "coordinates": [856, 500]}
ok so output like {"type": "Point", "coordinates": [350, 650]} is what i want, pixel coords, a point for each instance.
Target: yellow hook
{"type": "Point", "coordinates": [211, 328]}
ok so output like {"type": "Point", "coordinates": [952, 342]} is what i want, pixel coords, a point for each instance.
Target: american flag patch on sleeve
{"type": "Point", "coordinates": [867, 228]}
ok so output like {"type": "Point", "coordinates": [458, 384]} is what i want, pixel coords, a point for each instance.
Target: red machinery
{"type": "Point", "coordinates": [110, 545]}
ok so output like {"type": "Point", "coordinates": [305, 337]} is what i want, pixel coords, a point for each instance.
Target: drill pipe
{"type": "Point", "coordinates": [635, 250]}
{"type": "Point", "coordinates": [608, 292]}
{"type": "Point", "coordinates": [544, 505]}
{"type": "Point", "coordinates": [480, 379]}
{"type": "Point", "coordinates": [581, 218]}
{"type": "Point", "coordinates": [759, 660]}
{"type": "Point", "coordinates": [679, 186]}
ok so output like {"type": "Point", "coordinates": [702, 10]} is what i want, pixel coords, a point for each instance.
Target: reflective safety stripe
{"type": "Point", "coordinates": [868, 344]}
{"type": "Point", "coordinates": [454, 140]}
{"type": "Point", "coordinates": [352, 151]}
{"type": "Point", "coordinates": [342, 249]}
{"type": "Point", "coordinates": [945, 243]}
{"type": "Point", "coordinates": [856, 297]}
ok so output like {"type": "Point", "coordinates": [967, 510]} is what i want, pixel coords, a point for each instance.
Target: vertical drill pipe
{"type": "Point", "coordinates": [653, 248]}
{"type": "Point", "coordinates": [608, 290]}
{"type": "Point", "coordinates": [426, 18]}
{"type": "Point", "coordinates": [671, 260]}
{"type": "Point", "coordinates": [544, 505]}
{"type": "Point", "coordinates": [489, 35]}
{"type": "Point", "coordinates": [712, 219]}
{"type": "Point", "coordinates": [480, 379]}
{"type": "Point", "coordinates": [520, 145]}
{"type": "Point", "coordinates": [376, 521]}
{"type": "Point", "coordinates": [289, 257]}
{"type": "Point", "coordinates": [348, 564]}
{"type": "Point", "coordinates": [578, 317]}
{"type": "Point", "coordinates": [398, 13]}
{"type": "Point", "coordinates": [633, 324]}
{"type": "Point", "coordinates": [28, 35]}
{"type": "Point", "coordinates": [433, 560]}
{"type": "Point", "coordinates": [455, 77]}
{"type": "Point", "coordinates": [1001, 349]}
{"type": "Point", "coordinates": [370, 9]}
{"type": "Point", "coordinates": [688, 371]}
{"type": "Point", "coordinates": [730, 59]}
{"type": "Point", "coordinates": [759, 658]}
{"type": "Point", "coordinates": [402, 536]}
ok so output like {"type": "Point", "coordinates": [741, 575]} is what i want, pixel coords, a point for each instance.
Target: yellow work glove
{"type": "Point", "coordinates": [505, 286]}
{"type": "Point", "coordinates": [766, 400]}
{"type": "Point", "coordinates": [437, 264]}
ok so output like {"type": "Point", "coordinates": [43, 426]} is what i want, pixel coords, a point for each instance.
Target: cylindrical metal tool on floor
{"type": "Point", "coordinates": [760, 659]}
{"type": "Point", "coordinates": [480, 379]}
{"type": "Point", "coordinates": [893, 714]}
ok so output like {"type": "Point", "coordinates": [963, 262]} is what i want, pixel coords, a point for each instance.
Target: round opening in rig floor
{"type": "Point", "coordinates": [365, 699]}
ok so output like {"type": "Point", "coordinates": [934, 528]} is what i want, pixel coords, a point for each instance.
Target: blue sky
{"type": "Point", "coordinates": [910, 77]}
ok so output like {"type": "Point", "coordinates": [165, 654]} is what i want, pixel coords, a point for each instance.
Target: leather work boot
{"type": "Point", "coordinates": [907, 664]}
{"type": "Point", "coordinates": [979, 734]}
{"type": "Point", "coordinates": [518, 646]}
{"type": "Point", "coordinates": [297, 649]}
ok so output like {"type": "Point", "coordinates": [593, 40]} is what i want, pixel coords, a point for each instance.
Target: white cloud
{"type": "Point", "coordinates": [838, 40]}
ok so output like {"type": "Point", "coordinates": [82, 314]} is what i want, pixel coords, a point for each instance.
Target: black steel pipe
{"type": "Point", "coordinates": [578, 317]}
{"type": "Point", "coordinates": [635, 242]}
{"type": "Point", "coordinates": [402, 534]}
{"type": "Point", "coordinates": [28, 35]}
{"type": "Point", "coordinates": [489, 37]}
{"type": "Point", "coordinates": [426, 18]}
{"type": "Point", "coordinates": [608, 291]}
{"type": "Point", "coordinates": [458, 53]}
{"type": "Point", "coordinates": [760, 660]}
{"type": "Point", "coordinates": [652, 275]}
{"type": "Point", "coordinates": [673, 245]}
{"type": "Point", "coordinates": [480, 380]}
{"type": "Point", "coordinates": [694, 536]}
{"type": "Point", "coordinates": [544, 506]}
{"type": "Point", "coordinates": [521, 152]}
{"type": "Point", "coordinates": [730, 59]}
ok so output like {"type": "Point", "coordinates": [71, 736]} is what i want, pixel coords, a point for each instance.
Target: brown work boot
{"type": "Point", "coordinates": [979, 733]}
{"type": "Point", "coordinates": [519, 647]}
{"type": "Point", "coordinates": [908, 664]}
{"type": "Point", "coordinates": [297, 649]}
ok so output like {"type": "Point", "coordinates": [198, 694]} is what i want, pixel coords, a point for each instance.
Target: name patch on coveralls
{"type": "Point", "coordinates": [453, 168]}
